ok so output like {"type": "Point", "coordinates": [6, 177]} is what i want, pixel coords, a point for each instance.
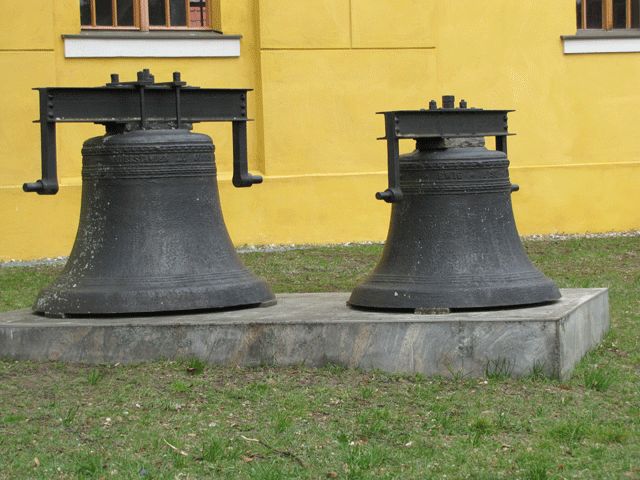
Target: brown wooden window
{"type": "Point", "coordinates": [146, 15]}
{"type": "Point", "coordinates": [608, 14]}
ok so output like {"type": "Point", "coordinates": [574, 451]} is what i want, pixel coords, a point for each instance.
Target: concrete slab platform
{"type": "Point", "coordinates": [315, 329]}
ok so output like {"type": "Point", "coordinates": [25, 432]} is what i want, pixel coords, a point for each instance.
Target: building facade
{"type": "Point", "coordinates": [320, 70]}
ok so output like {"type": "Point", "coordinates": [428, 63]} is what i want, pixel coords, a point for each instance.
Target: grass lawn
{"type": "Point", "coordinates": [190, 421]}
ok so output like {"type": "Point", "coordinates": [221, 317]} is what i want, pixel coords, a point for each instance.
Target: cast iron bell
{"type": "Point", "coordinates": [452, 241]}
{"type": "Point", "coordinates": [151, 236]}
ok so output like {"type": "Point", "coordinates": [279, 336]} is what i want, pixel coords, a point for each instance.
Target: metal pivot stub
{"type": "Point", "coordinates": [142, 102]}
{"type": "Point", "coordinates": [445, 122]}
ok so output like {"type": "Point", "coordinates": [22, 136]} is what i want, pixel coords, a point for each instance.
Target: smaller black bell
{"type": "Point", "coordinates": [452, 241]}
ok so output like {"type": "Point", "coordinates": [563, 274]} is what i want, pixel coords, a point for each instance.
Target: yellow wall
{"type": "Point", "coordinates": [320, 70]}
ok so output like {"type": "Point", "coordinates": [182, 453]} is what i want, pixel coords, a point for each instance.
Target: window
{"type": "Point", "coordinates": [605, 26]}
{"type": "Point", "coordinates": [608, 14]}
{"type": "Point", "coordinates": [146, 15]}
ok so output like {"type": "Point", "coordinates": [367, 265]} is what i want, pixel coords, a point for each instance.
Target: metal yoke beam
{"type": "Point", "coordinates": [142, 102]}
{"type": "Point", "coordinates": [446, 122]}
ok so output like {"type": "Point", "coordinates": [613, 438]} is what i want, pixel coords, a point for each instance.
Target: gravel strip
{"type": "Point", "coordinates": [34, 263]}
{"type": "Point", "coordinates": [568, 236]}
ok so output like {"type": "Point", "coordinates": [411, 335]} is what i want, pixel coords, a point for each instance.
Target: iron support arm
{"type": "Point", "coordinates": [393, 193]}
{"type": "Point", "coordinates": [48, 184]}
{"type": "Point", "coordinates": [241, 175]}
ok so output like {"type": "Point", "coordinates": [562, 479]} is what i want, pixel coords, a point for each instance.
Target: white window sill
{"type": "Point", "coordinates": [150, 44]}
{"type": "Point", "coordinates": [598, 41]}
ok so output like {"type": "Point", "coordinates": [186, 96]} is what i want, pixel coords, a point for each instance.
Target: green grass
{"type": "Point", "coordinates": [185, 419]}
{"type": "Point", "coordinates": [19, 286]}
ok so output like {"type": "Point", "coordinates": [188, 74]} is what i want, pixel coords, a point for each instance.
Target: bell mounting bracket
{"type": "Point", "coordinates": [143, 102]}
{"type": "Point", "coordinates": [445, 122]}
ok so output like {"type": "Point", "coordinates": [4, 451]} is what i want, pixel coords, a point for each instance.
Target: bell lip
{"type": "Point", "coordinates": [94, 303]}
{"type": "Point", "coordinates": [157, 313]}
{"type": "Point", "coordinates": [365, 297]}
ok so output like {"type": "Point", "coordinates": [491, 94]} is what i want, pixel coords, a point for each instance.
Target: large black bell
{"type": "Point", "coordinates": [151, 236]}
{"type": "Point", "coordinates": [452, 241]}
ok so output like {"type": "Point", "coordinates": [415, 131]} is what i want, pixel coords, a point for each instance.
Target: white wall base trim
{"type": "Point", "coordinates": [579, 44]}
{"type": "Point", "coordinates": [147, 47]}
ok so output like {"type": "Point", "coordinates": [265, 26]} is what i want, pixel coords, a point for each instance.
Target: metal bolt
{"type": "Point", "coordinates": [433, 105]}
{"type": "Point", "coordinates": [145, 76]}
{"type": "Point", "coordinates": [448, 101]}
{"type": "Point", "coordinates": [463, 104]}
{"type": "Point", "coordinates": [115, 78]}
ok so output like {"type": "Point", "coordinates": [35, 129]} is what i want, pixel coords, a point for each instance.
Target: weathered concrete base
{"type": "Point", "coordinates": [317, 329]}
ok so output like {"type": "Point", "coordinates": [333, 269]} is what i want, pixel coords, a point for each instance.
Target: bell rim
{"type": "Point", "coordinates": [99, 302]}
{"type": "Point", "coordinates": [387, 298]}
